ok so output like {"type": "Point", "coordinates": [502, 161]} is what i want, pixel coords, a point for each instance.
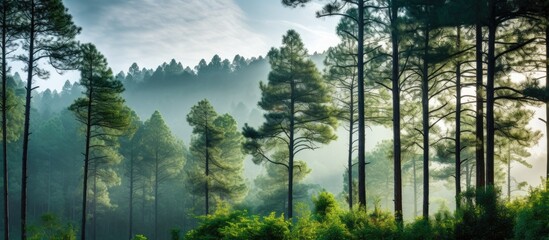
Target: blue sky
{"type": "Point", "coordinates": [151, 32]}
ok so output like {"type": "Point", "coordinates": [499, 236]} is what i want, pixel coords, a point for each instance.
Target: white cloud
{"type": "Point", "coordinates": [151, 32]}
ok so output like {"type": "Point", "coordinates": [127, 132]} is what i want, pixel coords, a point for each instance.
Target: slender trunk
{"type": "Point", "coordinates": [396, 113]}
{"type": "Point", "coordinates": [458, 123]}
{"type": "Point", "coordinates": [490, 95]}
{"type": "Point", "coordinates": [207, 172]}
{"type": "Point", "coordinates": [479, 127]}
{"type": "Point", "coordinates": [291, 152]}
{"type": "Point", "coordinates": [26, 132]}
{"type": "Point", "coordinates": [143, 203]}
{"type": "Point", "coordinates": [156, 196]}
{"type": "Point", "coordinates": [131, 196]}
{"type": "Point", "coordinates": [87, 155]}
{"type": "Point", "coordinates": [361, 121]}
{"type": "Point", "coordinates": [509, 173]}
{"type": "Point", "coordinates": [4, 123]}
{"type": "Point", "coordinates": [350, 150]}
{"type": "Point", "coordinates": [425, 118]}
{"type": "Point", "coordinates": [415, 186]}
{"type": "Point", "coordinates": [546, 104]}
{"type": "Point", "coordinates": [94, 213]}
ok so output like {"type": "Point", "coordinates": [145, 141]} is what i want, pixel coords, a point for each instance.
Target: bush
{"type": "Point", "coordinates": [211, 225]}
{"type": "Point", "coordinates": [324, 204]}
{"type": "Point", "coordinates": [533, 218]}
{"type": "Point", "coordinates": [441, 227]}
{"type": "Point", "coordinates": [139, 237]}
{"type": "Point", "coordinates": [51, 228]}
{"type": "Point", "coordinates": [488, 219]}
{"type": "Point", "coordinates": [256, 228]}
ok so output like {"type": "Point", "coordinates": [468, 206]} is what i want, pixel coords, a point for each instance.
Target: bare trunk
{"type": "Point", "coordinates": [207, 172]}
{"type": "Point", "coordinates": [156, 196]}
{"type": "Point", "coordinates": [291, 153]}
{"type": "Point", "coordinates": [425, 123]}
{"type": "Point", "coordinates": [458, 124]}
{"type": "Point", "coordinates": [396, 113]}
{"type": "Point", "coordinates": [350, 151]}
{"type": "Point", "coordinates": [361, 121]}
{"type": "Point", "coordinates": [490, 95]}
{"type": "Point", "coordinates": [26, 132]}
{"type": "Point", "coordinates": [547, 104]}
{"type": "Point", "coordinates": [4, 123]}
{"type": "Point", "coordinates": [509, 173]}
{"type": "Point", "coordinates": [131, 196]}
{"type": "Point", "coordinates": [479, 127]}
{"type": "Point", "coordinates": [415, 186]}
{"type": "Point", "coordinates": [87, 157]}
{"type": "Point", "coordinates": [94, 213]}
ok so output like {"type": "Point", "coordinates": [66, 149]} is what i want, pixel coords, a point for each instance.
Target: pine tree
{"type": "Point", "coordinates": [8, 33]}
{"type": "Point", "coordinates": [297, 104]}
{"type": "Point", "coordinates": [204, 147]}
{"type": "Point", "coordinates": [163, 155]}
{"type": "Point", "coordinates": [48, 33]}
{"type": "Point", "coordinates": [102, 112]}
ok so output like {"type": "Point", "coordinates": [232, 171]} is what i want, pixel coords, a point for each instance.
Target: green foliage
{"type": "Point", "coordinates": [51, 228]}
{"type": "Point", "coordinates": [139, 237]}
{"type": "Point", "coordinates": [211, 225]}
{"type": "Point", "coordinates": [533, 218]}
{"type": "Point", "coordinates": [324, 205]}
{"type": "Point", "coordinates": [441, 227]}
{"type": "Point", "coordinates": [488, 217]}
{"type": "Point", "coordinates": [216, 159]}
{"type": "Point", "coordinates": [175, 234]}
{"type": "Point", "coordinates": [256, 228]}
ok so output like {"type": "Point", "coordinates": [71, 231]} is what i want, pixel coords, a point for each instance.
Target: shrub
{"type": "Point", "coordinates": [139, 237]}
{"type": "Point", "coordinates": [211, 225]}
{"type": "Point", "coordinates": [324, 204]}
{"type": "Point", "coordinates": [440, 227]}
{"type": "Point", "coordinates": [488, 219]}
{"type": "Point", "coordinates": [51, 228]}
{"type": "Point", "coordinates": [532, 220]}
{"type": "Point", "coordinates": [256, 228]}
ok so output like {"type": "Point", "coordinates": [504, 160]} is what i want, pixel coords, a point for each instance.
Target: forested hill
{"type": "Point", "coordinates": [231, 86]}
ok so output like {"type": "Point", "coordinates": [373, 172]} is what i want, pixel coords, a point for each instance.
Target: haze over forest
{"type": "Point", "coordinates": [157, 119]}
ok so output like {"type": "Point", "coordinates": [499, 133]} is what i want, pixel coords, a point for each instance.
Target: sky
{"type": "Point", "coordinates": [151, 32]}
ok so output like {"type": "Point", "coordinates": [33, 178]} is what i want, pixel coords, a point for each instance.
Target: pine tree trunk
{"type": "Point", "coordinates": [479, 127]}
{"type": "Point", "coordinates": [490, 95]}
{"type": "Point", "coordinates": [4, 122]}
{"type": "Point", "coordinates": [291, 152]}
{"type": "Point", "coordinates": [415, 186]}
{"type": "Point", "coordinates": [458, 124]}
{"type": "Point", "coordinates": [26, 132]}
{"type": "Point", "coordinates": [396, 113]}
{"type": "Point", "coordinates": [207, 172]}
{"type": "Point", "coordinates": [350, 150]}
{"type": "Point", "coordinates": [156, 197]}
{"type": "Point", "coordinates": [87, 157]}
{"type": "Point", "coordinates": [361, 121]}
{"type": "Point", "coordinates": [94, 213]}
{"type": "Point", "coordinates": [131, 196]}
{"type": "Point", "coordinates": [509, 173]}
{"type": "Point", "coordinates": [547, 104]}
{"type": "Point", "coordinates": [425, 123]}
{"type": "Point", "coordinates": [143, 204]}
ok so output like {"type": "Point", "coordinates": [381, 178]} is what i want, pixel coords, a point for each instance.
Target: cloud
{"type": "Point", "coordinates": [150, 32]}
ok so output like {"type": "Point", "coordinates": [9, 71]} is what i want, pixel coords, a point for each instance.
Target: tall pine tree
{"type": "Point", "coordinates": [102, 112]}
{"type": "Point", "coordinates": [297, 104]}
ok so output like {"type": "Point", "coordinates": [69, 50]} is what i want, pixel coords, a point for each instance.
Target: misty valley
{"type": "Point", "coordinates": [418, 120]}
